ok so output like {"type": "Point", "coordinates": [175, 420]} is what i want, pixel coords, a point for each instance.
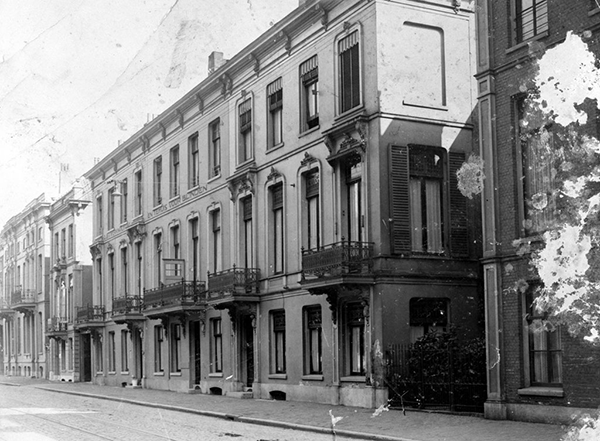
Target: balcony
{"type": "Point", "coordinates": [338, 263]}
{"type": "Point", "coordinates": [89, 317]}
{"type": "Point", "coordinates": [127, 309]}
{"type": "Point", "coordinates": [23, 300]}
{"type": "Point", "coordinates": [5, 310]}
{"type": "Point", "coordinates": [174, 299]}
{"type": "Point", "coordinates": [57, 327]}
{"type": "Point", "coordinates": [233, 285]}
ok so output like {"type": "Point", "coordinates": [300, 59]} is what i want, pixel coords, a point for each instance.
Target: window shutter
{"type": "Point", "coordinates": [459, 234]}
{"type": "Point", "coordinates": [400, 208]}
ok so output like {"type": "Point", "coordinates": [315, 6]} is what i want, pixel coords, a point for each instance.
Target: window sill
{"type": "Point", "coordinates": [159, 374]}
{"type": "Point", "coordinates": [594, 12]}
{"type": "Point", "coordinates": [313, 377]}
{"type": "Point", "coordinates": [124, 372]}
{"type": "Point", "coordinates": [213, 178]}
{"type": "Point", "coordinates": [542, 391]}
{"type": "Point", "coordinates": [99, 373]}
{"type": "Point", "coordinates": [278, 376]}
{"type": "Point", "coordinates": [138, 217]}
{"type": "Point", "coordinates": [349, 112]}
{"type": "Point", "coordinates": [309, 131]}
{"type": "Point", "coordinates": [523, 44]}
{"type": "Point", "coordinates": [174, 198]}
{"type": "Point", "coordinates": [246, 163]}
{"type": "Point", "coordinates": [275, 147]}
{"type": "Point", "coordinates": [353, 379]}
{"type": "Point", "coordinates": [425, 106]}
{"type": "Point", "coordinates": [215, 375]}
{"type": "Point", "coordinates": [112, 373]}
{"type": "Point", "coordinates": [176, 374]}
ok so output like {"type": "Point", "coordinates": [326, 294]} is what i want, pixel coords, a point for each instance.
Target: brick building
{"type": "Point", "coordinates": [534, 374]}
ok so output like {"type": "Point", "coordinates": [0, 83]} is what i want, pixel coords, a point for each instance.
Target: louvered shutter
{"type": "Point", "coordinates": [400, 204]}
{"type": "Point", "coordinates": [459, 233]}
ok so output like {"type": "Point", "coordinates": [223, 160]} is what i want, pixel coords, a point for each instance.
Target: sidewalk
{"type": "Point", "coordinates": [357, 422]}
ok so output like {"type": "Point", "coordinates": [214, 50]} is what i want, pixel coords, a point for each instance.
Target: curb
{"type": "Point", "coordinates": [9, 384]}
{"type": "Point", "coordinates": [232, 417]}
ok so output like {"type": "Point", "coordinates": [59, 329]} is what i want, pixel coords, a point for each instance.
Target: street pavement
{"type": "Point", "coordinates": [355, 423]}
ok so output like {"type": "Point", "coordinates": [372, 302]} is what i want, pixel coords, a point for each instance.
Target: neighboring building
{"type": "Point", "coordinates": [24, 248]}
{"type": "Point", "coordinates": [534, 374]}
{"type": "Point", "coordinates": [70, 286]}
{"type": "Point", "coordinates": [279, 226]}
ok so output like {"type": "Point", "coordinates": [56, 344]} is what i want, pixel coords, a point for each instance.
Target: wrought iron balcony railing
{"type": "Point", "coordinates": [19, 296]}
{"type": "Point", "coordinates": [337, 259]}
{"type": "Point", "coordinates": [126, 305]}
{"type": "Point", "coordinates": [87, 314]}
{"type": "Point", "coordinates": [234, 281]}
{"type": "Point", "coordinates": [183, 293]}
{"type": "Point", "coordinates": [57, 324]}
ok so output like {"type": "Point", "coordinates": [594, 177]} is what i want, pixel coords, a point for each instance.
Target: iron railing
{"type": "Point", "coordinates": [19, 296]}
{"type": "Point", "coordinates": [233, 281]}
{"type": "Point", "coordinates": [183, 293]}
{"type": "Point", "coordinates": [86, 314]}
{"type": "Point", "coordinates": [340, 258]}
{"type": "Point", "coordinates": [126, 305]}
{"type": "Point", "coordinates": [57, 324]}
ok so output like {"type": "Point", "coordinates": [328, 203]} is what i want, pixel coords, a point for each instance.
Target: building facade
{"type": "Point", "coordinates": [273, 231]}
{"type": "Point", "coordinates": [70, 285]}
{"type": "Point", "coordinates": [535, 373]}
{"type": "Point", "coordinates": [24, 264]}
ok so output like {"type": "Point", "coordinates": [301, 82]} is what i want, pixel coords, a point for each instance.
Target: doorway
{"type": "Point", "coordinates": [86, 357]}
{"type": "Point", "coordinates": [247, 349]}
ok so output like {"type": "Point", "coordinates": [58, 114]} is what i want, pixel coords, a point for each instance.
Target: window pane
{"type": "Point", "coordinates": [433, 192]}
{"type": "Point", "coordinates": [278, 218]}
{"type": "Point", "coordinates": [313, 222]}
{"type": "Point", "coordinates": [416, 219]}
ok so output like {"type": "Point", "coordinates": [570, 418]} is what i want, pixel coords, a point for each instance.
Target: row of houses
{"type": "Point", "coordinates": [281, 226]}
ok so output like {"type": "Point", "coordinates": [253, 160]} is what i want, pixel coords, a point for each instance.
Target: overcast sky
{"type": "Point", "coordinates": [77, 76]}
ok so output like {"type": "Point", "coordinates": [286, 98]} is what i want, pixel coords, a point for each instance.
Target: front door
{"type": "Point", "coordinates": [196, 351]}
{"type": "Point", "coordinates": [248, 349]}
{"type": "Point", "coordinates": [86, 357]}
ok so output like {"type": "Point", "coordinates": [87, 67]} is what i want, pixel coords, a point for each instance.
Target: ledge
{"type": "Point", "coordinates": [425, 106]}
{"type": "Point", "coordinates": [523, 44]}
{"type": "Point", "coordinates": [542, 391]}
{"type": "Point", "coordinates": [215, 375]}
{"type": "Point", "coordinates": [593, 12]}
{"type": "Point", "coordinates": [309, 131]}
{"type": "Point", "coordinates": [159, 374]}
{"type": "Point", "coordinates": [312, 377]}
{"type": "Point", "coordinates": [278, 376]}
{"type": "Point", "coordinates": [175, 374]}
{"type": "Point", "coordinates": [275, 147]}
{"type": "Point", "coordinates": [353, 379]}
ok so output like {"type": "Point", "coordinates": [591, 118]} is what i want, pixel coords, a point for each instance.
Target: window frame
{"type": "Point", "coordinates": [277, 227]}
{"type": "Point", "coordinates": [313, 323]}
{"type": "Point", "coordinates": [124, 351]}
{"type": "Point", "coordinates": [158, 348]}
{"type": "Point", "coordinates": [139, 193]}
{"type": "Point", "coordinates": [194, 161]}
{"type": "Point", "coordinates": [157, 181]}
{"type": "Point", "coordinates": [350, 324]}
{"type": "Point", "coordinates": [175, 337]}
{"type": "Point", "coordinates": [245, 121]}
{"type": "Point", "coordinates": [216, 237]}
{"type": "Point", "coordinates": [275, 114]}
{"type": "Point", "coordinates": [309, 88]}
{"type": "Point", "coordinates": [345, 48]}
{"type": "Point", "coordinates": [216, 347]}
{"type": "Point", "coordinates": [174, 162]}
{"type": "Point", "coordinates": [214, 133]}
{"type": "Point", "coordinates": [278, 341]}
{"type": "Point", "coordinates": [538, 8]}
{"type": "Point", "coordinates": [124, 200]}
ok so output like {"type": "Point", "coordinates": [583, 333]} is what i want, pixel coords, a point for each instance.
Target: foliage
{"type": "Point", "coordinates": [586, 428]}
{"type": "Point", "coordinates": [470, 177]}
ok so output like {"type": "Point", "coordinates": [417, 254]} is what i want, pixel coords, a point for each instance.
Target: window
{"type": "Point", "coordinates": [277, 227]}
{"type": "Point", "coordinates": [245, 125]}
{"type": "Point", "coordinates": [354, 216]}
{"type": "Point", "coordinates": [174, 179]}
{"type": "Point", "coordinates": [112, 366]}
{"type": "Point", "coordinates": [158, 342]}
{"type": "Point", "coordinates": [157, 257]}
{"type": "Point", "coordinates": [427, 315]}
{"type": "Point", "coordinates": [138, 252]}
{"type": "Point", "coordinates": [111, 264]}
{"type": "Point", "coordinates": [175, 241]}
{"type": "Point", "coordinates": [175, 347]}
{"type": "Point", "coordinates": [313, 332]}
{"type": "Point", "coordinates": [71, 240]}
{"type": "Point", "coordinates": [138, 193]}
{"type": "Point", "coordinates": [40, 234]}
{"type": "Point", "coordinates": [157, 181]}
{"type": "Point", "coordinates": [99, 355]}
{"type": "Point", "coordinates": [124, 201]}
{"type": "Point", "coordinates": [216, 239]}
{"type": "Point", "coordinates": [124, 351]}
{"type": "Point", "coordinates": [275, 106]}
{"type": "Point", "coordinates": [544, 346]}
{"type": "Point", "coordinates": [355, 339]}
{"type": "Point", "coordinates": [194, 161]}
{"type": "Point", "coordinates": [215, 148]}
{"type": "Point", "coordinates": [537, 146]}
{"type": "Point", "coordinates": [278, 342]}
{"type": "Point", "coordinates": [195, 248]}
{"type": "Point", "coordinates": [63, 242]}
{"type": "Point", "coordinates": [531, 19]}
{"type": "Point", "coordinates": [312, 210]}
{"type": "Point", "coordinates": [216, 347]}
{"type": "Point", "coordinates": [309, 79]}
{"type": "Point", "coordinates": [248, 251]}
{"type": "Point", "coordinates": [56, 246]}
{"type": "Point", "coordinates": [111, 208]}
{"type": "Point", "coordinates": [349, 68]}
{"type": "Point", "coordinates": [124, 273]}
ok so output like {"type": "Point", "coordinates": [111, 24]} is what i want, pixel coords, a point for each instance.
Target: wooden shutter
{"type": "Point", "coordinates": [400, 205]}
{"type": "Point", "coordinates": [459, 234]}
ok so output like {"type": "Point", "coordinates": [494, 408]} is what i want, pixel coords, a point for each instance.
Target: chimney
{"type": "Point", "coordinates": [215, 60]}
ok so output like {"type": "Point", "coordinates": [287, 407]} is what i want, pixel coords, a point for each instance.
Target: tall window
{"type": "Point", "coordinates": [124, 351]}
{"type": "Point", "coordinates": [215, 148]}
{"type": "Point", "coordinates": [71, 240]}
{"type": "Point", "coordinates": [312, 213]}
{"type": "Point", "coordinates": [313, 332]}
{"type": "Point", "coordinates": [124, 273]}
{"type": "Point", "coordinates": [278, 342]}
{"type": "Point", "coordinates": [216, 347]}
{"type": "Point", "coordinates": [124, 200]}
{"type": "Point", "coordinates": [174, 172]}
{"type": "Point", "coordinates": [56, 246]}
{"type": "Point", "coordinates": [277, 228]}
{"type": "Point", "coordinates": [354, 221]}
{"type": "Point", "coordinates": [158, 343]}
{"type": "Point", "coordinates": [158, 257]}
{"type": "Point", "coordinates": [175, 248]}
{"type": "Point", "coordinates": [175, 347]}
{"type": "Point", "coordinates": [111, 264]}
{"type": "Point", "coordinates": [275, 105]}
{"type": "Point", "coordinates": [63, 242]}
{"type": "Point", "coordinates": [194, 161]}
{"type": "Point", "coordinates": [245, 126]}
{"type": "Point", "coordinates": [545, 352]}
{"type": "Point", "coordinates": [195, 248]}
{"type": "Point", "coordinates": [111, 208]}
{"type": "Point", "coordinates": [138, 252]}
{"type": "Point", "coordinates": [138, 193]}
{"type": "Point", "coordinates": [349, 68]}
{"type": "Point", "coordinates": [158, 181]}
{"type": "Point", "coordinates": [531, 19]}
{"type": "Point", "coordinates": [216, 239]}
{"type": "Point", "coordinates": [427, 315]}
{"type": "Point", "coordinates": [99, 355]}
{"type": "Point", "coordinates": [112, 356]}
{"type": "Point", "coordinates": [355, 339]}
{"type": "Point", "coordinates": [309, 78]}
{"type": "Point", "coordinates": [246, 206]}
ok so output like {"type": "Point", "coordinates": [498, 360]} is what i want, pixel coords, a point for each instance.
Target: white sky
{"type": "Point", "coordinates": [77, 76]}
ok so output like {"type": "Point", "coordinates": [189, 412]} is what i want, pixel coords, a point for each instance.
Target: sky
{"type": "Point", "coordinates": [79, 76]}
